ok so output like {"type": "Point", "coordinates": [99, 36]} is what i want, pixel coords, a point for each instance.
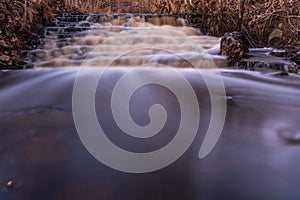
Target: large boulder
{"type": "Point", "coordinates": [233, 46]}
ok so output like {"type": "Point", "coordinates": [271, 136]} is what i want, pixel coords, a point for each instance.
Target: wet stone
{"type": "Point", "coordinates": [233, 46]}
{"type": "Point", "coordinates": [278, 53]}
{"type": "Point", "coordinates": [10, 185]}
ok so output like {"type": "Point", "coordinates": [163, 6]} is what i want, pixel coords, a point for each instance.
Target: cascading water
{"type": "Point", "coordinates": [105, 36]}
{"type": "Point", "coordinates": [42, 155]}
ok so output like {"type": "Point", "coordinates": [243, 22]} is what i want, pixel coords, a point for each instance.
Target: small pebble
{"type": "Point", "coordinates": [9, 184]}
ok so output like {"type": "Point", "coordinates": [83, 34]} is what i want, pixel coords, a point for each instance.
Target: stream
{"type": "Point", "coordinates": [42, 147]}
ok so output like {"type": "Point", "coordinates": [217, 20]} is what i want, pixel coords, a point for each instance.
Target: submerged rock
{"type": "Point", "coordinates": [268, 63]}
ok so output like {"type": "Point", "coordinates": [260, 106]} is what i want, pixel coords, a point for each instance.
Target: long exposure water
{"type": "Point", "coordinates": [256, 156]}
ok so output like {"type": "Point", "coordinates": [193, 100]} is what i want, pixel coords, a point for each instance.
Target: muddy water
{"type": "Point", "coordinates": [256, 157]}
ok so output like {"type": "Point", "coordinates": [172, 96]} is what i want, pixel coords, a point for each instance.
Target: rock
{"type": "Point", "coordinates": [9, 185]}
{"type": "Point", "coordinates": [4, 58]}
{"type": "Point", "coordinates": [268, 63]}
{"type": "Point", "coordinates": [233, 46]}
{"type": "Point", "coordinates": [276, 33]}
{"type": "Point", "coordinates": [293, 68]}
{"type": "Point", "coordinates": [293, 54]}
{"type": "Point", "coordinates": [275, 36]}
{"type": "Point", "coordinates": [278, 53]}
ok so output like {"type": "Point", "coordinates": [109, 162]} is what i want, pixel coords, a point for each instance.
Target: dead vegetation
{"type": "Point", "coordinates": [256, 18]}
{"type": "Point", "coordinates": [263, 18]}
{"type": "Point", "coordinates": [111, 6]}
{"type": "Point", "coordinates": [21, 20]}
{"type": "Point", "coordinates": [20, 23]}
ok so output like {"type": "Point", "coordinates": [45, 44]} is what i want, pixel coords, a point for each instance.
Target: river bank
{"type": "Point", "coordinates": [21, 23]}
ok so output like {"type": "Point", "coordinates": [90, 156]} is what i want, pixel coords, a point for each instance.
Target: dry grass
{"type": "Point", "coordinates": [21, 20]}
{"type": "Point", "coordinates": [256, 18]}
{"type": "Point", "coordinates": [111, 6]}
{"type": "Point", "coordinates": [88, 6]}
{"type": "Point", "coordinates": [280, 14]}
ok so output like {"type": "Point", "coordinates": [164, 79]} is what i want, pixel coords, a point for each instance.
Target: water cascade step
{"type": "Point", "coordinates": [99, 40]}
